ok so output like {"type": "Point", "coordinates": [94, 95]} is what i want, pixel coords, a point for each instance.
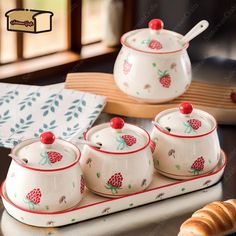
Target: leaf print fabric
{"type": "Point", "coordinates": [27, 111]}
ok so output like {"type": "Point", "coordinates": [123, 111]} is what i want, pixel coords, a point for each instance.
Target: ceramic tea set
{"type": "Point", "coordinates": [49, 174]}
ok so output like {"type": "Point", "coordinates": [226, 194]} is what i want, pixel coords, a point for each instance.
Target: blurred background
{"type": "Point", "coordinates": [81, 28]}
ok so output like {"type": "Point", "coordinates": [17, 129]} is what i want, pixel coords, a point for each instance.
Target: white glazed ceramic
{"type": "Point", "coordinates": [51, 180]}
{"type": "Point", "coordinates": [153, 65]}
{"type": "Point", "coordinates": [93, 205]}
{"type": "Point", "coordinates": [188, 145]}
{"type": "Point", "coordinates": [124, 163]}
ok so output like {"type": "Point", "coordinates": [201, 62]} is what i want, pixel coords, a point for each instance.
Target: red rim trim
{"type": "Point", "coordinates": [49, 170]}
{"type": "Point", "coordinates": [109, 200]}
{"type": "Point", "coordinates": [124, 36]}
{"type": "Point", "coordinates": [184, 136]}
{"type": "Point", "coordinates": [187, 176]}
{"type": "Point", "coordinates": [121, 153]}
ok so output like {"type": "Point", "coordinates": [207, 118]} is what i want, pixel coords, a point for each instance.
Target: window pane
{"type": "Point", "coordinates": [91, 20]}
{"type": "Point", "coordinates": [7, 38]}
{"type": "Point", "coordinates": [56, 40]}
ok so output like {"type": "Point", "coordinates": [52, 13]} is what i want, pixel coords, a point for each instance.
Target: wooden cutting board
{"type": "Point", "coordinates": [212, 98]}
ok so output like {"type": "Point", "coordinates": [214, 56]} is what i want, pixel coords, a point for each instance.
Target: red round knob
{"type": "Point", "coordinates": [156, 24]}
{"type": "Point", "coordinates": [117, 123]}
{"type": "Point", "coordinates": [47, 138]}
{"type": "Point", "coordinates": [185, 108]}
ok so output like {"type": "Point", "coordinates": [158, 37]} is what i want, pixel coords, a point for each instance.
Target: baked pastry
{"type": "Point", "coordinates": [216, 218]}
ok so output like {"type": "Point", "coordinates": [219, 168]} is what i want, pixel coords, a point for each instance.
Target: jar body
{"type": "Point", "coordinates": [185, 157]}
{"type": "Point", "coordinates": [114, 175]}
{"type": "Point", "coordinates": [152, 77]}
{"type": "Point", "coordinates": [46, 191]}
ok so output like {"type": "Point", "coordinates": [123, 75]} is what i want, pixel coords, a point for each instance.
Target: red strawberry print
{"type": "Point", "coordinates": [82, 184]}
{"type": "Point", "coordinates": [192, 125]}
{"type": "Point", "coordinates": [115, 182]}
{"type": "Point", "coordinates": [126, 67]}
{"type": "Point", "coordinates": [126, 140]}
{"type": "Point", "coordinates": [198, 165]}
{"type": "Point", "coordinates": [129, 139]}
{"type": "Point", "coordinates": [154, 44]}
{"type": "Point", "coordinates": [50, 157]}
{"type": "Point", "coordinates": [33, 198]}
{"type": "Point", "coordinates": [165, 78]}
{"type": "Point", "coordinates": [54, 156]}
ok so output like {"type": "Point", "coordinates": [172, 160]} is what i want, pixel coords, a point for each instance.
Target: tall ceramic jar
{"type": "Point", "coordinates": [153, 66]}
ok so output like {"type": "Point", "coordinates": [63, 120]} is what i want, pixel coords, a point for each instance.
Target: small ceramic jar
{"type": "Point", "coordinates": [153, 65]}
{"type": "Point", "coordinates": [123, 165]}
{"type": "Point", "coordinates": [51, 178]}
{"type": "Point", "coordinates": [187, 143]}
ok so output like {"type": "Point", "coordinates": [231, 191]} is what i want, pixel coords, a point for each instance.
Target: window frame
{"type": "Point", "coordinates": [75, 52]}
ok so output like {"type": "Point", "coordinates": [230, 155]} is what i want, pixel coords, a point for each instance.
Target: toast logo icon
{"type": "Point", "coordinates": [30, 21]}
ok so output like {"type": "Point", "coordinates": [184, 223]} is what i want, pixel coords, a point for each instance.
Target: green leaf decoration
{"type": "Point", "coordinates": [22, 125]}
{"type": "Point", "coordinates": [52, 104]}
{"type": "Point", "coordinates": [99, 106]}
{"type": "Point", "coordinates": [8, 97]}
{"type": "Point", "coordinates": [177, 167]}
{"type": "Point", "coordinates": [29, 100]}
{"type": "Point", "coordinates": [5, 117]}
{"type": "Point", "coordinates": [70, 131]}
{"type": "Point", "coordinates": [75, 109]}
{"type": "Point", "coordinates": [46, 127]}
{"type": "Point", "coordinates": [45, 113]}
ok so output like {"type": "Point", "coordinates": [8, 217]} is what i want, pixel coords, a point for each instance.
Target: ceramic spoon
{"type": "Point", "coordinates": [85, 142]}
{"type": "Point", "coordinates": [22, 161]}
{"type": "Point", "coordinates": [160, 127]}
{"type": "Point", "coordinates": [195, 31]}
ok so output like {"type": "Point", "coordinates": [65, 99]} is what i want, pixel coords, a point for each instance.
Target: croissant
{"type": "Point", "coordinates": [217, 218]}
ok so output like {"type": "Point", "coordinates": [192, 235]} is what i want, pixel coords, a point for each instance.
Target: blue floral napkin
{"type": "Point", "coordinates": [27, 111]}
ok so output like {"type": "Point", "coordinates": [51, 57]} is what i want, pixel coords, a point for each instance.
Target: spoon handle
{"type": "Point", "coordinates": [89, 143]}
{"type": "Point", "coordinates": [17, 159]}
{"type": "Point", "coordinates": [195, 31]}
{"type": "Point", "coordinates": [159, 126]}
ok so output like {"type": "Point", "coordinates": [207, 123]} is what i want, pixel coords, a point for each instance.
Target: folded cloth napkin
{"type": "Point", "coordinates": [27, 111]}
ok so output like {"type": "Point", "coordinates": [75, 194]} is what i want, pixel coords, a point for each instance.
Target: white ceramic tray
{"type": "Point", "coordinates": [93, 206]}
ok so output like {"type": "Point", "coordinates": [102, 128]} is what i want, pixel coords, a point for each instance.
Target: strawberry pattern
{"type": "Point", "coordinates": [152, 44]}
{"type": "Point", "coordinates": [197, 166]}
{"type": "Point", "coordinates": [125, 141]}
{"type": "Point", "coordinates": [50, 157]}
{"type": "Point", "coordinates": [127, 66]}
{"type": "Point", "coordinates": [192, 125]}
{"type": "Point", "coordinates": [33, 198]}
{"type": "Point", "coordinates": [115, 183]}
{"type": "Point", "coordinates": [82, 184]}
{"type": "Point", "coordinates": [164, 78]}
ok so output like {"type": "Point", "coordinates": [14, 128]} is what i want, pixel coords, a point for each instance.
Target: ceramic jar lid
{"type": "Point", "coordinates": [118, 136]}
{"type": "Point", "coordinates": [154, 39]}
{"type": "Point", "coordinates": [47, 152]}
{"type": "Point", "coordinates": [186, 121]}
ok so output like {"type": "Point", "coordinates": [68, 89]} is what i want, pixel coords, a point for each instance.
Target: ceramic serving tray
{"type": "Point", "coordinates": [94, 206]}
